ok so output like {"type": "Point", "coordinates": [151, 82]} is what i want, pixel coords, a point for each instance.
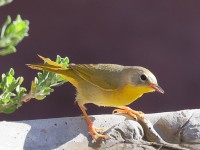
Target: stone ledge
{"type": "Point", "coordinates": [181, 128]}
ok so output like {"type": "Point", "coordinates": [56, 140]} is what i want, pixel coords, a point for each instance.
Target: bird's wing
{"type": "Point", "coordinates": [105, 76]}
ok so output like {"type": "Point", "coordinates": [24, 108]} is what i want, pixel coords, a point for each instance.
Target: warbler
{"type": "Point", "coordinates": [108, 85]}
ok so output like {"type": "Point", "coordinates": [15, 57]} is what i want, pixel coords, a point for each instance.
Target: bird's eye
{"type": "Point", "coordinates": [143, 77]}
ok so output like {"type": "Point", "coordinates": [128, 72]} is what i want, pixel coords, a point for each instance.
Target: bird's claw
{"type": "Point", "coordinates": [129, 111]}
{"type": "Point", "coordinates": [93, 132]}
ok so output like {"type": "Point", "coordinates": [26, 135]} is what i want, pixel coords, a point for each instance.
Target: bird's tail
{"type": "Point", "coordinates": [50, 66]}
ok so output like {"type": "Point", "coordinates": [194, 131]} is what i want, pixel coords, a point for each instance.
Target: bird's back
{"type": "Point", "coordinates": [105, 76]}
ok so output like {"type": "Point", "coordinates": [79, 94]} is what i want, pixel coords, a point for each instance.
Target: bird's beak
{"type": "Point", "coordinates": [157, 88]}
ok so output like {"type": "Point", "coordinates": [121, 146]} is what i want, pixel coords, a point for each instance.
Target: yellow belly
{"type": "Point", "coordinates": [121, 97]}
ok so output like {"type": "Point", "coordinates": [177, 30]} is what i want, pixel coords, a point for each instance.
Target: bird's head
{"type": "Point", "coordinates": [142, 77]}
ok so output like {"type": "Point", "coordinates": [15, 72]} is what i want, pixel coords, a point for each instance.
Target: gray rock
{"type": "Point", "coordinates": [123, 132]}
{"type": "Point", "coordinates": [169, 130]}
{"type": "Point", "coordinates": [181, 127]}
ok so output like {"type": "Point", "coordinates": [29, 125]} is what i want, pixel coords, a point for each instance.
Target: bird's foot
{"type": "Point", "coordinates": [129, 111]}
{"type": "Point", "coordinates": [92, 129]}
{"type": "Point", "coordinates": [94, 132]}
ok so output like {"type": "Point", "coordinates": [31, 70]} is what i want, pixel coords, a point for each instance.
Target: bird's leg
{"type": "Point", "coordinates": [129, 111]}
{"type": "Point", "coordinates": [93, 130]}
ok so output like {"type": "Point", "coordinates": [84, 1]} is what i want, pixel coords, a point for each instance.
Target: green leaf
{"type": "Point", "coordinates": [12, 92]}
{"type": "Point", "coordinates": [6, 23]}
{"type": "Point", "coordinates": [8, 50]}
{"type": "Point", "coordinates": [10, 109]}
{"type": "Point", "coordinates": [12, 33]}
{"type": "Point", "coordinates": [47, 90]}
{"type": "Point", "coordinates": [11, 72]}
{"type": "Point", "coordinates": [5, 2]}
{"type": "Point", "coordinates": [45, 81]}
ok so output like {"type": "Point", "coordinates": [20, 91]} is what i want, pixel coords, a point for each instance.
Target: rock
{"type": "Point", "coordinates": [169, 130]}
{"type": "Point", "coordinates": [123, 132]}
{"type": "Point", "coordinates": [181, 127]}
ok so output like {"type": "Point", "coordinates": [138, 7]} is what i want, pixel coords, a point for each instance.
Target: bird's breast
{"type": "Point", "coordinates": [126, 95]}
{"type": "Point", "coordinates": [120, 97]}
{"type": "Point", "coordinates": [110, 98]}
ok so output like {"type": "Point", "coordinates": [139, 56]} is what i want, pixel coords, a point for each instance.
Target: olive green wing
{"type": "Point", "coordinates": [105, 76]}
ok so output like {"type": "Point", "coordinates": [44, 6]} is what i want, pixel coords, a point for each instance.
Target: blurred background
{"type": "Point", "coordinates": [163, 36]}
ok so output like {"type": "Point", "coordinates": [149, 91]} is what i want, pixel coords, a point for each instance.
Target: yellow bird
{"type": "Point", "coordinates": [107, 85]}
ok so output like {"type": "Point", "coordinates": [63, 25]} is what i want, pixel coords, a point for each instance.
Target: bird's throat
{"type": "Point", "coordinates": [128, 94]}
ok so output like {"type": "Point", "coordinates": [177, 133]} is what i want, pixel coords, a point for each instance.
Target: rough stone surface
{"type": "Point", "coordinates": [123, 132]}
{"type": "Point", "coordinates": [169, 130]}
